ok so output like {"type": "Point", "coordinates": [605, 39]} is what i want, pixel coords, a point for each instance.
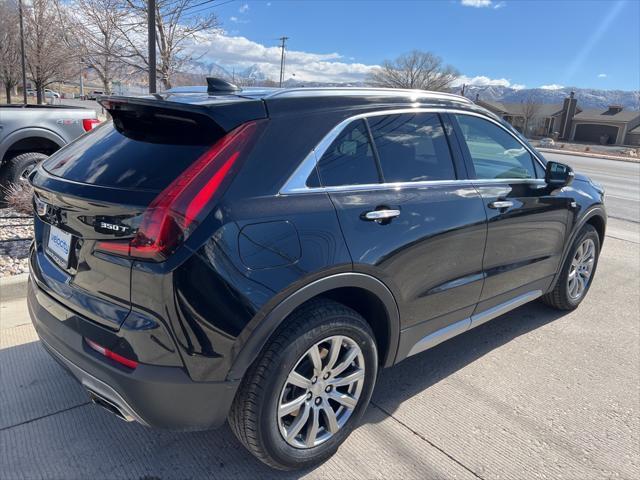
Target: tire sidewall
{"type": "Point", "coordinates": [587, 232]}
{"type": "Point", "coordinates": [269, 430]}
{"type": "Point", "coordinates": [14, 167]}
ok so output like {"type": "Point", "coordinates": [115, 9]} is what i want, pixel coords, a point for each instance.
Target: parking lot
{"type": "Point", "coordinates": [533, 394]}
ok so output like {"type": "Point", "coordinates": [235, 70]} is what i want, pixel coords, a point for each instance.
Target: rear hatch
{"type": "Point", "coordinates": [121, 185]}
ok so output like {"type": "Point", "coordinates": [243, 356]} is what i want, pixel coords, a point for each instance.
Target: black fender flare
{"type": "Point", "coordinates": [257, 335]}
{"type": "Point", "coordinates": [594, 211]}
{"type": "Point", "coordinates": [33, 132]}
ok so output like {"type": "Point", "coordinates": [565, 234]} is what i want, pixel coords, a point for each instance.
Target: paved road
{"type": "Point", "coordinates": [535, 393]}
{"type": "Point", "coordinates": [621, 181]}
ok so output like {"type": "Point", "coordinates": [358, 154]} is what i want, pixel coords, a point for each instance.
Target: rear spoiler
{"type": "Point", "coordinates": [227, 113]}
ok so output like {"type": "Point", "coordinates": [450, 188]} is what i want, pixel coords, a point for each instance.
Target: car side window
{"type": "Point", "coordinates": [412, 147]}
{"type": "Point", "coordinates": [350, 159]}
{"type": "Point", "coordinates": [495, 154]}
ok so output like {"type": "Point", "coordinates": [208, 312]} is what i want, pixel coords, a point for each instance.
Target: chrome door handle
{"type": "Point", "coordinates": [381, 214]}
{"type": "Point", "coordinates": [501, 204]}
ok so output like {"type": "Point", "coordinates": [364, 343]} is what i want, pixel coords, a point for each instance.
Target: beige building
{"type": "Point", "coordinates": [611, 126]}
{"type": "Point", "coordinates": [567, 121]}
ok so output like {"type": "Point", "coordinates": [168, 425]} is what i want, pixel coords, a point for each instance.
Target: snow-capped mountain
{"type": "Point", "coordinates": [587, 97]}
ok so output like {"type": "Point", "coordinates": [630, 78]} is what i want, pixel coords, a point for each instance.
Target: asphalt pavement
{"type": "Point", "coordinates": [621, 181]}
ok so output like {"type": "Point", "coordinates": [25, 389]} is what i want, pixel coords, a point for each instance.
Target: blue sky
{"type": "Point", "coordinates": [592, 44]}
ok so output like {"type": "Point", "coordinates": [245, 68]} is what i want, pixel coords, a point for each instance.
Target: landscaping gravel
{"type": "Point", "coordinates": [16, 233]}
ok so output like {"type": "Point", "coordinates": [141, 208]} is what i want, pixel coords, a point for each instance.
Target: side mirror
{"type": "Point", "coordinates": [558, 174]}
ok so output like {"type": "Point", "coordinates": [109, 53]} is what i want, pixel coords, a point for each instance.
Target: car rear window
{"type": "Point", "coordinates": [134, 153]}
{"type": "Point", "coordinates": [350, 159]}
{"type": "Point", "coordinates": [412, 147]}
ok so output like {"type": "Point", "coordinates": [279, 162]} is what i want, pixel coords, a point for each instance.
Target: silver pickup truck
{"type": "Point", "coordinates": [30, 133]}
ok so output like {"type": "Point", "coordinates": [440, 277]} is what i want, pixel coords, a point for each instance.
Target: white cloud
{"type": "Point", "coordinates": [244, 8]}
{"type": "Point", "coordinates": [235, 19]}
{"type": "Point", "coordinates": [602, 75]}
{"type": "Point", "coordinates": [240, 52]}
{"type": "Point", "coordinates": [234, 52]}
{"type": "Point", "coordinates": [553, 86]}
{"type": "Point", "coordinates": [477, 3]}
{"type": "Point", "coordinates": [499, 5]}
{"type": "Point", "coordinates": [482, 81]}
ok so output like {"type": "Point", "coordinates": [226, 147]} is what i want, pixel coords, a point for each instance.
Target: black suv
{"type": "Point", "coordinates": [260, 254]}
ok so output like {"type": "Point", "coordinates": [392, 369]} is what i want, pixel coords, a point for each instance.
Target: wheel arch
{"type": "Point", "coordinates": [365, 294]}
{"type": "Point", "coordinates": [20, 140]}
{"type": "Point", "coordinates": [595, 216]}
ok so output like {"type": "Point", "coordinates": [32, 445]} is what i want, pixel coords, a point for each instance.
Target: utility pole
{"type": "Point", "coordinates": [81, 80]}
{"type": "Point", "coordinates": [283, 40]}
{"type": "Point", "coordinates": [151, 24]}
{"type": "Point", "coordinates": [24, 64]}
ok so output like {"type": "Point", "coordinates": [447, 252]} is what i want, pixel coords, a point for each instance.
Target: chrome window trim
{"type": "Point", "coordinates": [297, 182]}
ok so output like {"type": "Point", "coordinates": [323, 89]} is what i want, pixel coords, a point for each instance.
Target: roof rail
{"type": "Point", "coordinates": [289, 92]}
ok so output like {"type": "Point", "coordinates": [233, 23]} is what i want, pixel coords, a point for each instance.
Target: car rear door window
{"type": "Point", "coordinates": [495, 154]}
{"type": "Point", "coordinates": [350, 159]}
{"type": "Point", "coordinates": [412, 147]}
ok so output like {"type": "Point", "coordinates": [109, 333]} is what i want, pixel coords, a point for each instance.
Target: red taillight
{"type": "Point", "coordinates": [111, 355]}
{"type": "Point", "coordinates": [89, 123]}
{"type": "Point", "coordinates": [180, 207]}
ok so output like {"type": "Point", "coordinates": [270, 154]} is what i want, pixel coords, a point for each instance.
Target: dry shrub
{"type": "Point", "coordinates": [19, 197]}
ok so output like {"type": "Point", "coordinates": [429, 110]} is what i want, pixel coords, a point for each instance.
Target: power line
{"type": "Point", "coordinates": [206, 8]}
{"type": "Point", "coordinates": [283, 40]}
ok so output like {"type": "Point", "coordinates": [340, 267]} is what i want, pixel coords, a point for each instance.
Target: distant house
{"type": "Point", "coordinates": [611, 126]}
{"type": "Point", "coordinates": [567, 121]}
{"type": "Point", "coordinates": [544, 118]}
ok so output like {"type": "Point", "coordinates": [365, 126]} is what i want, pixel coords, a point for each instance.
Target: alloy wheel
{"type": "Point", "coordinates": [581, 269]}
{"type": "Point", "coordinates": [321, 392]}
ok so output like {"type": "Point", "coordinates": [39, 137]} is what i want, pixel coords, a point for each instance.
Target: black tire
{"type": "Point", "coordinates": [16, 168]}
{"type": "Point", "coordinates": [559, 297]}
{"type": "Point", "coordinates": [253, 416]}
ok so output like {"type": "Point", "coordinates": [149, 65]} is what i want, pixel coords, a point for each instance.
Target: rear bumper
{"type": "Point", "coordinates": [155, 396]}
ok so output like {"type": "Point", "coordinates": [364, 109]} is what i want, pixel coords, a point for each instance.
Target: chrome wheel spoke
{"type": "Point", "coordinates": [349, 379]}
{"type": "Point", "coordinates": [298, 423]}
{"type": "Point", "coordinates": [292, 406]}
{"type": "Point", "coordinates": [334, 352]}
{"type": "Point", "coordinates": [351, 355]}
{"type": "Point", "coordinates": [314, 354]}
{"type": "Point", "coordinates": [343, 399]}
{"type": "Point", "coordinates": [298, 380]}
{"type": "Point", "coordinates": [330, 416]}
{"type": "Point", "coordinates": [312, 433]}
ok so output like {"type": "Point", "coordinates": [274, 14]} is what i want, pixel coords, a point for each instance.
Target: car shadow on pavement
{"type": "Point", "coordinates": [49, 429]}
{"type": "Point", "coordinates": [419, 372]}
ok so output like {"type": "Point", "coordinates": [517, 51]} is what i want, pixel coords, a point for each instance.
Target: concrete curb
{"type": "Point", "coordinates": [604, 156]}
{"type": "Point", "coordinates": [14, 287]}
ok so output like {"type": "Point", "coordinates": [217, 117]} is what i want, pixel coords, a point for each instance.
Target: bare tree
{"type": "Point", "coordinates": [99, 33]}
{"type": "Point", "coordinates": [416, 69]}
{"type": "Point", "coordinates": [177, 23]}
{"type": "Point", "coordinates": [9, 47]}
{"type": "Point", "coordinates": [49, 58]}
{"type": "Point", "coordinates": [530, 110]}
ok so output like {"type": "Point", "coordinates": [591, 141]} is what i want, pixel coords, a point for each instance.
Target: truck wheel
{"type": "Point", "coordinates": [577, 272]}
{"type": "Point", "coordinates": [16, 170]}
{"type": "Point", "coordinates": [308, 388]}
